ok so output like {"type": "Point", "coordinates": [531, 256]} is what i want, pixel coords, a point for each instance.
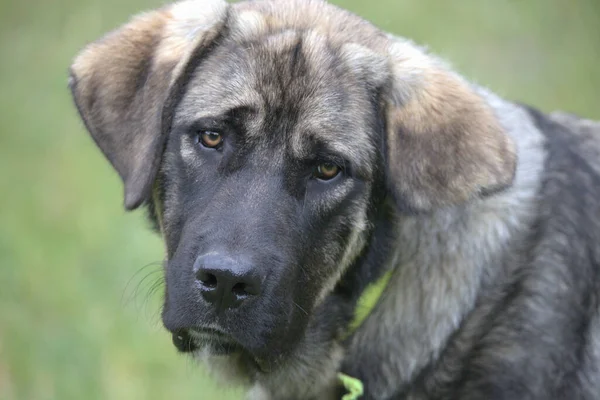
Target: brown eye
{"type": "Point", "coordinates": [326, 171]}
{"type": "Point", "coordinates": [210, 139]}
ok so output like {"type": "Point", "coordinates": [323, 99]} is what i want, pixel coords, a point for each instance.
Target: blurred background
{"type": "Point", "coordinates": [80, 281]}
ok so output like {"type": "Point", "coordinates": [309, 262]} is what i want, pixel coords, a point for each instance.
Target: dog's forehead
{"type": "Point", "coordinates": [254, 18]}
{"type": "Point", "coordinates": [300, 85]}
{"type": "Point", "coordinates": [306, 88]}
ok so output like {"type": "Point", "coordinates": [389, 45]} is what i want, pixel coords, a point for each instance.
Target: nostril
{"type": "Point", "coordinates": [239, 289]}
{"type": "Point", "coordinates": [208, 279]}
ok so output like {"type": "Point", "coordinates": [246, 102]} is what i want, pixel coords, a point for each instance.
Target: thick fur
{"type": "Point", "coordinates": [487, 212]}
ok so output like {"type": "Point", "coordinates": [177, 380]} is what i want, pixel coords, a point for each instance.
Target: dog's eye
{"type": "Point", "coordinates": [326, 171]}
{"type": "Point", "coordinates": [210, 139]}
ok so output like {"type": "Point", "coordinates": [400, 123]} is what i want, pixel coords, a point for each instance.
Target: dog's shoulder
{"type": "Point", "coordinates": [584, 135]}
{"type": "Point", "coordinates": [571, 185]}
{"type": "Point", "coordinates": [580, 126]}
{"type": "Point", "coordinates": [572, 136]}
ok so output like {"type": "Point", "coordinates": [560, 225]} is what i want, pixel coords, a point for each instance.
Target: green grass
{"type": "Point", "coordinates": [76, 317]}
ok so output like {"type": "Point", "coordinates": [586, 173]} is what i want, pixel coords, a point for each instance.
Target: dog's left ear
{"type": "Point", "coordinates": [444, 145]}
{"type": "Point", "coordinates": [126, 85]}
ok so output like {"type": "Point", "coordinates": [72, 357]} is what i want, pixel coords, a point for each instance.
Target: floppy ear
{"type": "Point", "coordinates": [126, 85]}
{"type": "Point", "coordinates": [444, 146]}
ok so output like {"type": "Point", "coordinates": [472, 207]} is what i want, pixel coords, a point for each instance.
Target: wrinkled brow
{"type": "Point", "coordinates": [332, 147]}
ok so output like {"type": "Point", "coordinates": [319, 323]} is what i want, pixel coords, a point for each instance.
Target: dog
{"type": "Point", "coordinates": [293, 157]}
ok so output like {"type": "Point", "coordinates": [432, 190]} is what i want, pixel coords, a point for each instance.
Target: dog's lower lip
{"type": "Point", "coordinates": [202, 333]}
{"type": "Point", "coordinates": [214, 340]}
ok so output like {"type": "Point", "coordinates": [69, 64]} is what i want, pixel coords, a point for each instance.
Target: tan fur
{"type": "Point", "coordinates": [121, 83]}
{"type": "Point", "coordinates": [445, 145]}
{"type": "Point", "coordinates": [248, 25]}
{"type": "Point", "coordinates": [339, 26]}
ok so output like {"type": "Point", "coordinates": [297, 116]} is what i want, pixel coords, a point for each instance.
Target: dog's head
{"type": "Point", "coordinates": [268, 138]}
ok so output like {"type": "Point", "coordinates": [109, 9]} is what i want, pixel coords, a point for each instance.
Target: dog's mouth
{"type": "Point", "coordinates": [212, 340]}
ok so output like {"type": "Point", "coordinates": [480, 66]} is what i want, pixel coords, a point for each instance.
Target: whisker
{"type": "Point", "coordinates": [139, 271]}
{"type": "Point", "coordinates": [158, 284]}
{"type": "Point", "coordinates": [141, 284]}
{"type": "Point", "coordinates": [155, 313]}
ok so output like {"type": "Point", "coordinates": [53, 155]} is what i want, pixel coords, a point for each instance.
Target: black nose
{"type": "Point", "coordinates": [226, 282]}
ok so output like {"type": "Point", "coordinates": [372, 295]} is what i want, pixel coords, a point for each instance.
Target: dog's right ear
{"type": "Point", "coordinates": [126, 84]}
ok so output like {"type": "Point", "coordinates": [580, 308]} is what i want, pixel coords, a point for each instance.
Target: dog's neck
{"type": "Point", "coordinates": [442, 262]}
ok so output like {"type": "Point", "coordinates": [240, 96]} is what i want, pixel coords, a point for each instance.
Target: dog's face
{"type": "Point", "coordinates": [264, 190]}
{"type": "Point", "coordinates": [266, 137]}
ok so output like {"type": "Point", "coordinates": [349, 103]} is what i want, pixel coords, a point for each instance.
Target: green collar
{"type": "Point", "coordinates": [365, 304]}
{"type": "Point", "coordinates": [354, 387]}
